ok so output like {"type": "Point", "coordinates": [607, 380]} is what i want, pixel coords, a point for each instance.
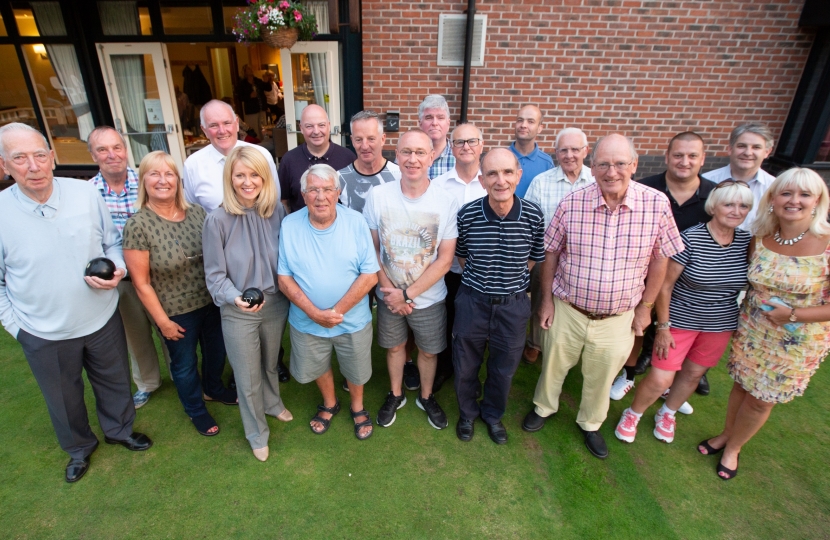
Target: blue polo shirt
{"type": "Point", "coordinates": [533, 164]}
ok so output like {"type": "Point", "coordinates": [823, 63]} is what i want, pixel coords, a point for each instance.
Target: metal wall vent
{"type": "Point", "coordinates": [452, 31]}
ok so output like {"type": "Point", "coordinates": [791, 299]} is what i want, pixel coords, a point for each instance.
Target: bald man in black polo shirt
{"type": "Point", "coordinates": [500, 238]}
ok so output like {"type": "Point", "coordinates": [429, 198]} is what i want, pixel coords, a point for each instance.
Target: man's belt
{"type": "Point", "coordinates": [594, 316]}
{"type": "Point", "coordinates": [493, 299]}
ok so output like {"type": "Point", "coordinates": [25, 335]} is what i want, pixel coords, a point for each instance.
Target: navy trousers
{"type": "Point", "coordinates": [497, 322]}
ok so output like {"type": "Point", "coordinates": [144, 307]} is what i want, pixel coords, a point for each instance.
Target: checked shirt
{"type": "Point", "coordinates": [121, 205]}
{"type": "Point", "coordinates": [604, 255]}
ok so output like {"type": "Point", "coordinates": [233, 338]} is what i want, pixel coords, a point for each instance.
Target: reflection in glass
{"type": "Point", "coordinates": [824, 148]}
{"type": "Point", "coordinates": [3, 32]}
{"type": "Point", "coordinates": [15, 102]}
{"type": "Point", "coordinates": [25, 20]}
{"type": "Point", "coordinates": [186, 20]}
{"type": "Point", "coordinates": [311, 81]}
{"type": "Point", "coordinates": [135, 82]}
{"type": "Point", "coordinates": [119, 18]}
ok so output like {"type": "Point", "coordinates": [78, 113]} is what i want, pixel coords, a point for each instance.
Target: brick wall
{"type": "Point", "coordinates": [647, 69]}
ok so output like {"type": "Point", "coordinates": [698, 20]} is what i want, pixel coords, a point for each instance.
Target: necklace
{"type": "Point", "coordinates": [172, 218]}
{"type": "Point", "coordinates": [726, 245]}
{"type": "Point", "coordinates": [791, 241]}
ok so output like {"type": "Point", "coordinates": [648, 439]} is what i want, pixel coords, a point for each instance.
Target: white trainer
{"type": "Point", "coordinates": [664, 428]}
{"type": "Point", "coordinates": [684, 409]}
{"type": "Point", "coordinates": [621, 387]}
{"type": "Point", "coordinates": [626, 429]}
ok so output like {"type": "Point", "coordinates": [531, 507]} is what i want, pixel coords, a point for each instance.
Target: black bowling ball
{"type": "Point", "coordinates": [100, 267]}
{"type": "Point", "coordinates": [253, 296]}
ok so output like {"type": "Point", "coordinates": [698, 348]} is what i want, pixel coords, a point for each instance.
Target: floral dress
{"type": "Point", "coordinates": [770, 362]}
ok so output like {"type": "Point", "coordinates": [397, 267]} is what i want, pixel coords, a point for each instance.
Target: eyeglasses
{"type": "Point", "coordinates": [620, 166]}
{"type": "Point", "coordinates": [566, 151]}
{"type": "Point", "coordinates": [727, 183]}
{"type": "Point", "coordinates": [21, 159]}
{"type": "Point", "coordinates": [406, 152]}
{"type": "Point", "coordinates": [190, 258]}
{"type": "Point", "coordinates": [317, 191]}
{"type": "Point", "coordinates": [472, 143]}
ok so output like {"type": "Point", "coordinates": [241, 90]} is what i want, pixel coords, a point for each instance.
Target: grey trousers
{"type": "Point", "coordinates": [252, 341]}
{"type": "Point", "coordinates": [144, 359]}
{"type": "Point", "coordinates": [57, 367]}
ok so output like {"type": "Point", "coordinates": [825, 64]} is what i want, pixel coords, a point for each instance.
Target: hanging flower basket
{"type": "Point", "coordinates": [279, 23]}
{"type": "Point", "coordinates": [284, 38]}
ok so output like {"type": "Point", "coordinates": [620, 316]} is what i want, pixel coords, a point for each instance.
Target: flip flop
{"type": "Point", "coordinates": [204, 423]}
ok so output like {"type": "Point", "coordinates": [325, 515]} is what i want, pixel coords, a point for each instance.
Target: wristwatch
{"type": "Point", "coordinates": [793, 318]}
{"type": "Point", "coordinates": [662, 325]}
{"type": "Point", "coordinates": [407, 299]}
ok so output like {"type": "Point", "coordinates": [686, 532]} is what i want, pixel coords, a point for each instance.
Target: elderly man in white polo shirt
{"type": "Point", "coordinates": [546, 190]}
{"type": "Point", "coordinates": [462, 181]}
{"type": "Point", "coordinates": [203, 170]}
{"type": "Point", "coordinates": [749, 145]}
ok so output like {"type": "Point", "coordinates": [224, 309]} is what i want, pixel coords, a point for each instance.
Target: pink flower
{"type": "Point", "coordinates": [297, 16]}
{"type": "Point", "coordinates": [263, 19]}
{"type": "Point", "coordinates": [284, 5]}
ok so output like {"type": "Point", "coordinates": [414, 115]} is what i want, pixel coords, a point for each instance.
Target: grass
{"type": "Point", "coordinates": [411, 481]}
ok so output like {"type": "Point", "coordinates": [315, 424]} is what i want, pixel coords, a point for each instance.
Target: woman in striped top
{"type": "Point", "coordinates": [700, 293]}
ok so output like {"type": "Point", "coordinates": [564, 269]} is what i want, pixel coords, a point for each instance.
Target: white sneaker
{"type": "Point", "coordinates": [626, 429]}
{"type": "Point", "coordinates": [621, 387]}
{"type": "Point", "coordinates": [664, 428]}
{"type": "Point", "coordinates": [684, 409]}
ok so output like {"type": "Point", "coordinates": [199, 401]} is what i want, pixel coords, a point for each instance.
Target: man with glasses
{"type": "Point", "coordinates": [317, 148]}
{"type": "Point", "coordinates": [463, 183]}
{"type": "Point", "coordinates": [687, 192]}
{"type": "Point", "coordinates": [413, 224]}
{"type": "Point", "coordinates": [546, 190]}
{"type": "Point", "coordinates": [50, 228]}
{"type": "Point", "coordinates": [532, 160]}
{"type": "Point", "coordinates": [118, 185]}
{"type": "Point", "coordinates": [370, 168]}
{"type": "Point", "coordinates": [500, 238]}
{"type": "Point", "coordinates": [602, 242]}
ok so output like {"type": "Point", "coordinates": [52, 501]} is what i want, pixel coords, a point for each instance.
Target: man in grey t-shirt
{"type": "Point", "coordinates": [370, 168]}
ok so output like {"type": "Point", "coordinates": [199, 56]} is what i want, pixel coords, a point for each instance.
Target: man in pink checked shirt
{"type": "Point", "coordinates": [602, 242]}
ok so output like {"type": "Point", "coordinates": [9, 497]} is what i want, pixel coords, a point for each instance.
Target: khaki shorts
{"type": "Point", "coordinates": [311, 355]}
{"type": "Point", "coordinates": [429, 326]}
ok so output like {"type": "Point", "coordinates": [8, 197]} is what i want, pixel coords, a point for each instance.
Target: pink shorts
{"type": "Point", "coordinates": [702, 348]}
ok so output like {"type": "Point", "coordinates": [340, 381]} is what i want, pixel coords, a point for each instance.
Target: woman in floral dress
{"type": "Point", "coordinates": [783, 333]}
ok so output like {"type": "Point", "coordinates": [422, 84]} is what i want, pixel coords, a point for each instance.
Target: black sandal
{"type": "Point", "coordinates": [710, 450]}
{"type": "Point", "coordinates": [228, 397]}
{"type": "Point", "coordinates": [325, 422]}
{"type": "Point", "coordinates": [358, 425]}
{"type": "Point", "coordinates": [204, 423]}
{"type": "Point", "coordinates": [730, 474]}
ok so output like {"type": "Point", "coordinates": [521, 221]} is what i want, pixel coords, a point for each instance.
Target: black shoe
{"type": "Point", "coordinates": [440, 379]}
{"type": "Point", "coordinates": [643, 362]}
{"type": "Point", "coordinates": [76, 469]}
{"type": "Point", "coordinates": [282, 370]}
{"type": "Point", "coordinates": [465, 429]}
{"type": "Point", "coordinates": [703, 386]}
{"type": "Point", "coordinates": [435, 414]}
{"type": "Point", "coordinates": [533, 422]}
{"type": "Point", "coordinates": [345, 385]}
{"type": "Point", "coordinates": [595, 443]}
{"type": "Point", "coordinates": [497, 432]}
{"type": "Point", "coordinates": [137, 442]}
{"type": "Point", "coordinates": [386, 413]}
{"type": "Point", "coordinates": [411, 376]}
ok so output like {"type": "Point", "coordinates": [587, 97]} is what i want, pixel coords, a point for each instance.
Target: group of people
{"type": "Point", "coordinates": [225, 253]}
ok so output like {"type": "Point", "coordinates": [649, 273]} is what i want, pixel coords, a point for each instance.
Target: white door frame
{"type": "Point", "coordinates": [164, 80]}
{"type": "Point", "coordinates": [332, 50]}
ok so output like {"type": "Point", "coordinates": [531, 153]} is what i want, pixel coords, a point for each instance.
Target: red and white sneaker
{"type": "Point", "coordinates": [627, 427]}
{"type": "Point", "coordinates": [621, 387]}
{"type": "Point", "coordinates": [664, 430]}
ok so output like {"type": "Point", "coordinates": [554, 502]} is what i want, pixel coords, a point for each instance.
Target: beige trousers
{"type": "Point", "coordinates": [604, 346]}
{"type": "Point", "coordinates": [138, 326]}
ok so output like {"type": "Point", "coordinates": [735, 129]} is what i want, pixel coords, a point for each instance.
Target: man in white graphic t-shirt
{"type": "Point", "coordinates": [413, 224]}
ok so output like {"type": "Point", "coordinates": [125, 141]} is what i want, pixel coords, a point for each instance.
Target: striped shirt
{"type": "Point", "coordinates": [121, 205]}
{"type": "Point", "coordinates": [550, 187]}
{"type": "Point", "coordinates": [443, 163]}
{"type": "Point", "coordinates": [604, 255]}
{"type": "Point", "coordinates": [497, 250]}
{"type": "Point", "coordinates": [705, 294]}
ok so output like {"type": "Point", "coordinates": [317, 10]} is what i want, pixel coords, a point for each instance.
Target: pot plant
{"type": "Point", "coordinates": [279, 23]}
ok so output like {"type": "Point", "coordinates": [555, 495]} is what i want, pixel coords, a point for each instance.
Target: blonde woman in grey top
{"type": "Point", "coordinates": [241, 243]}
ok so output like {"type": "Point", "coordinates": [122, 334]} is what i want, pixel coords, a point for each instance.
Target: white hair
{"type": "Point", "coordinates": [211, 103]}
{"type": "Point", "coordinates": [433, 101]}
{"type": "Point", "coordinates": [571, 131]}
{"type": "Point", "coordinates": [18, 127]}
{"type": "Point", "coordinates": [321, 171]}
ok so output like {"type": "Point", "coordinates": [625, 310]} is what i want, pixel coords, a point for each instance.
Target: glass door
{"type": "Point", "coordinates": [311, 74]}
{"type": "Point", "coordinates": [140, 93]}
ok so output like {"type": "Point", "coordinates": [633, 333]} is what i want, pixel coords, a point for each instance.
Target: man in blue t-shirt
{"type": "Point", "coordinates": [327, 265]}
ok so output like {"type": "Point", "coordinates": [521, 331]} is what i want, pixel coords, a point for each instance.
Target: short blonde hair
{"type": "Point", "coordinates": [727, 194]}
{"type": "Point", "coordinates": [252, 158]}
{"type": "Point", "coordinates": [766, 223]}
{"type": "Point", "coordinates": [150, 162]}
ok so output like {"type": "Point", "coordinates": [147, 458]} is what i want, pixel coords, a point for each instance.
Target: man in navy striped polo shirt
{"type": "Point", "coordinates": [500, 238]}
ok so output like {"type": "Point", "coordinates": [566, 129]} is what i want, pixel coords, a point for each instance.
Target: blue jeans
{"type": "Point", "coordinates": [203, 327]}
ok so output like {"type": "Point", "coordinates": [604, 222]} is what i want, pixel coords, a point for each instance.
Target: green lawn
{"type": "Point", "coordinates": [411, 481]}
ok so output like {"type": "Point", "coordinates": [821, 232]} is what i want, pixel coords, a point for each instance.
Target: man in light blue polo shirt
{"type": "Point", "coordinates": [327, 265]}
{"type": "Point", "coordinates": [532, 160]}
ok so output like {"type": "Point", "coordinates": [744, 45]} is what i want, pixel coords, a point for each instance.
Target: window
{"type": "Point", "coordinates": [189, 20]}
{"type": "Point", "coordinates": [15, 102]}
{"type": "Point", "coordinates": [124, 18]}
